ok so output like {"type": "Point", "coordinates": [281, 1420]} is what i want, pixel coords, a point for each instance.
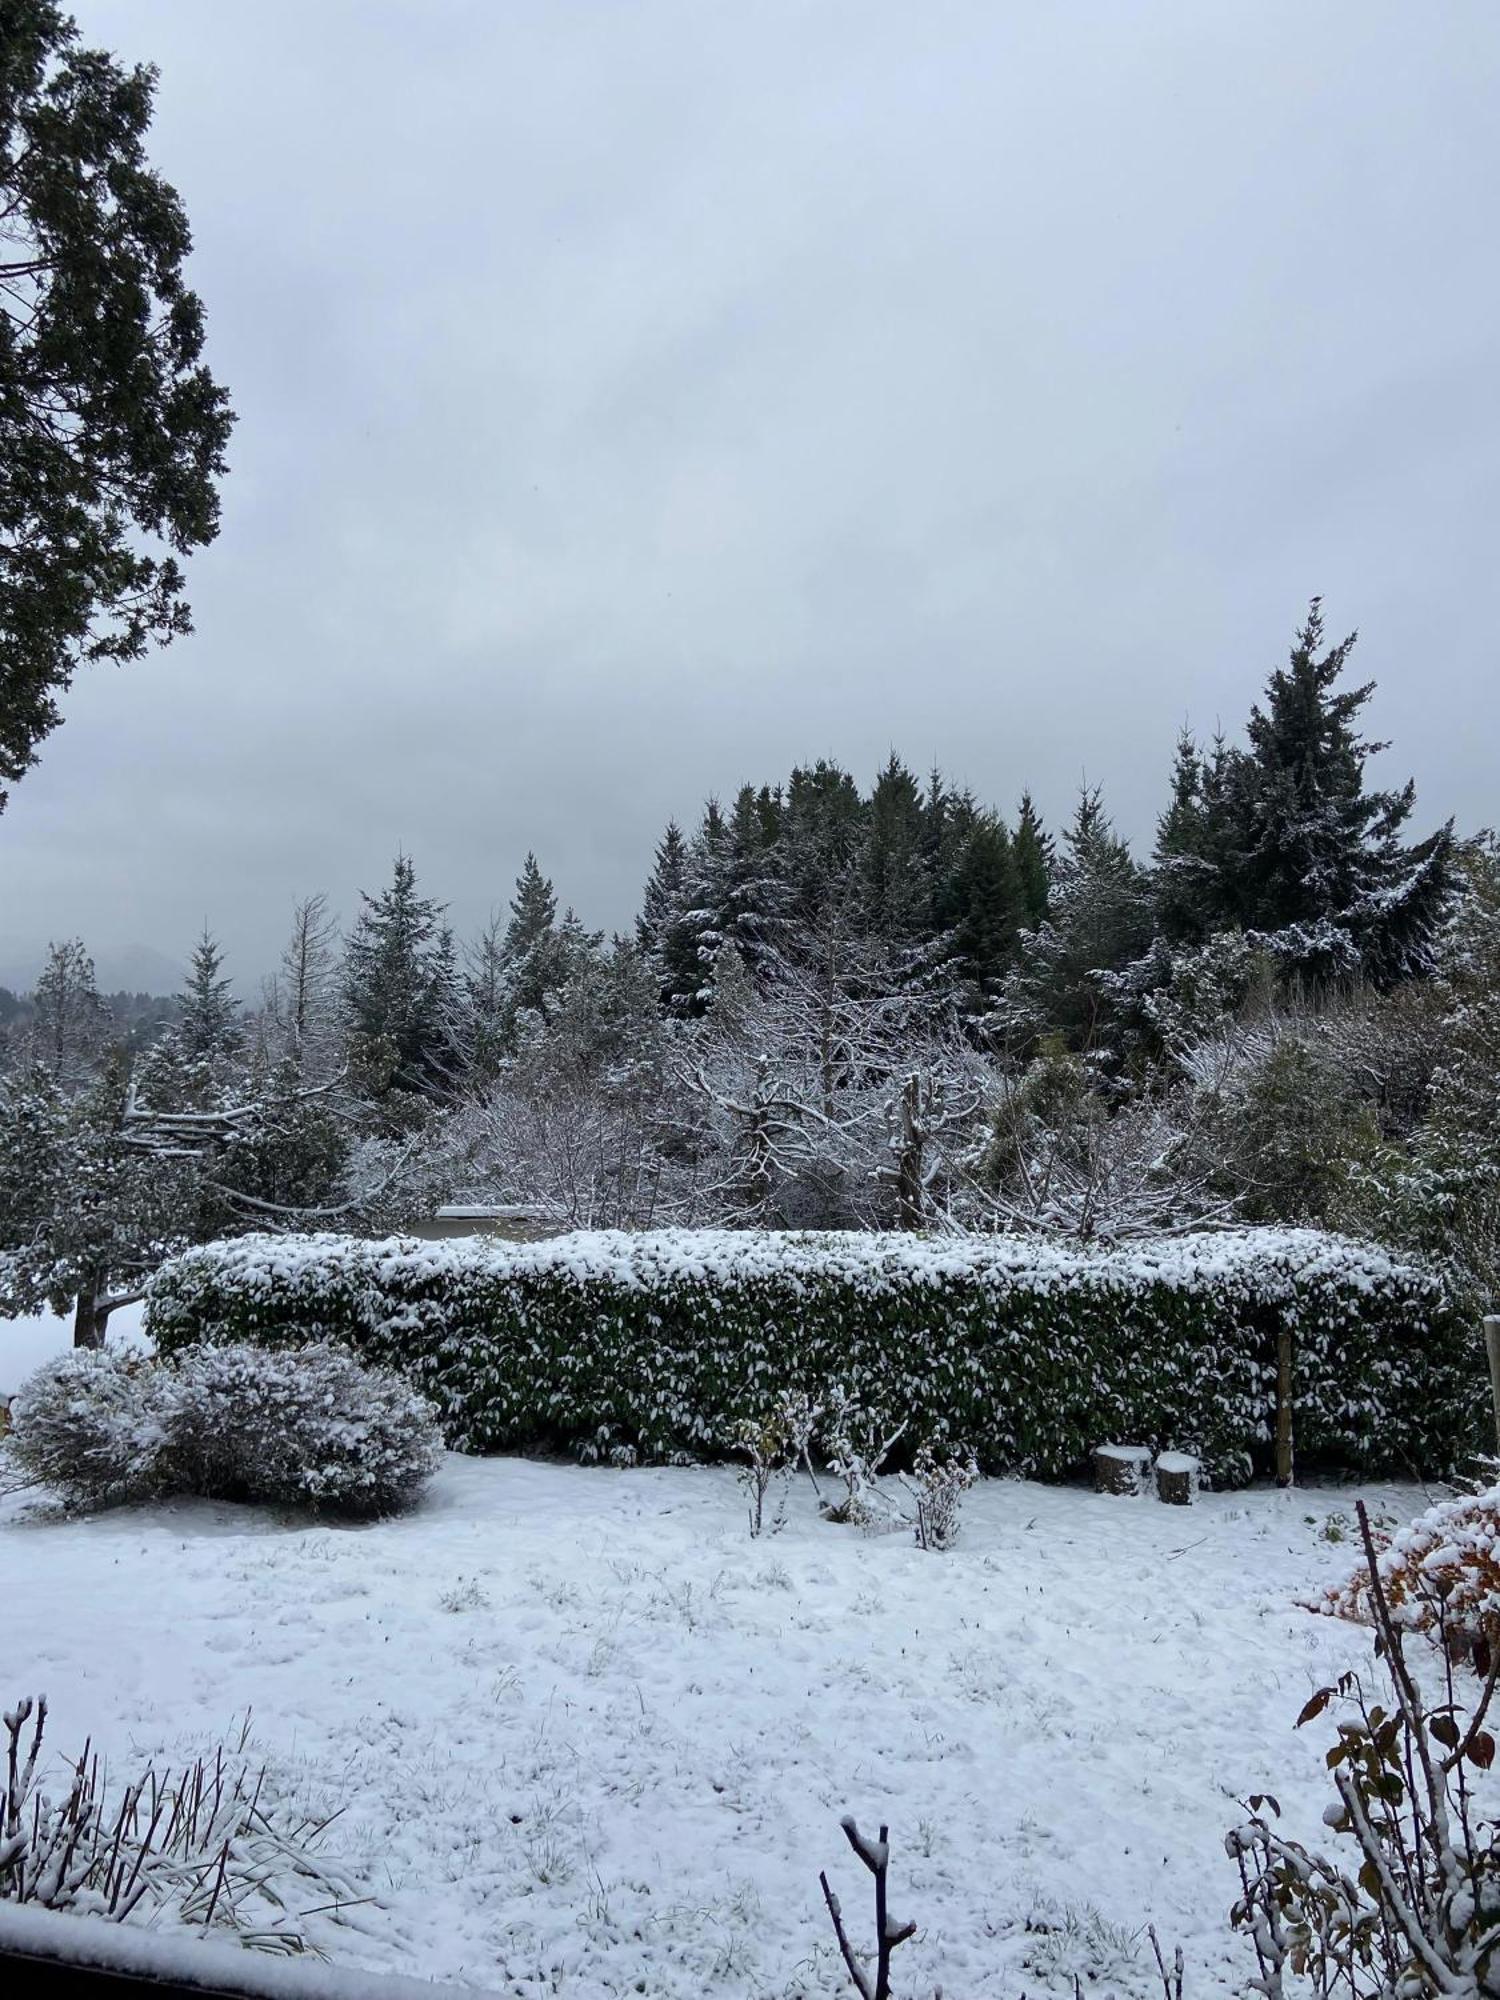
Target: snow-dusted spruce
{"type": "Point", "coordinates": [1029, 1351]}
{"type": "Point", "coordinates": [311, 1429]}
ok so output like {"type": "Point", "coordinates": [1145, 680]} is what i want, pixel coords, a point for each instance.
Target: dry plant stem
{"type": "Point", "coordinates": [876, 1857]}
{"type": "Point", "coordinates": [1171, 1982]}
{"type": "Point", "coordinates": [1399, 1897]}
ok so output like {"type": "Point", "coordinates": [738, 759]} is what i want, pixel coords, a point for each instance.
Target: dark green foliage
{"type": "Point", "coordinates": [896, 888]}
{"type": "Point", "coordinates": [1284, 838]}
{"type": "Point", "coordinates": [208, 1030]}
{"type": "Point", "coordinates": [822, 830]}
{"type": "Point", "coordinates": [71, 1026]}
{"type": "Point", "coordinates": [112, 432]}
{"type": "Point", "coordinates": [667, 1344]}
{"type": "Point", "coordinates": [1291, 1133]}
{"type": "Point", "coordinates": [85, 1215]}
{"type": "Point", "coordinates": [1098, 925]}
{"type": "Point", "coordinates": [662, 897]}
{"type": "Point", "coordinates": [753, 895]}
{"type": "Point", "coordinates": [929, 876]}
{"type": "Point", "coordinates": [1194, 846]}
{"type": "Point", "coordinates": [398, 976]}
{"type": "Point", "coordinates": [985, 898]}
{"type": "Point", "coordinates": [1034, 863]}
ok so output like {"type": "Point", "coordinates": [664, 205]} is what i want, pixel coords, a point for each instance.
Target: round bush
{"type": "Point", "coordinates": [90, 1425]}
{"type": "Point", "coordinates": [312, 1429]}
{"type": "Point", "coordinates": [307, 1429]}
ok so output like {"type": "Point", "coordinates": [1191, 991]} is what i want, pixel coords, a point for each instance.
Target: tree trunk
{"type": "Point", "coordinates": [1284, 1406]}
{"type": "Point", "coordinates": [909, 1188]}
{"type": "Point", "coordinates": [88, 1321]}
{"type": "Point", "coordinates": [1492, 1353]}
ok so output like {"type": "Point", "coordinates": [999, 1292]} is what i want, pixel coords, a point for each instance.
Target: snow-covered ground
{"type": "Point", "coordinates": [595, 1740]}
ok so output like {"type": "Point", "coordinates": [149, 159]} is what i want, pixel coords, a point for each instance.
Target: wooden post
{"type": "Point", "coordinates": [1284, 1406]}
{"type": "Point", "coordinates": [1492, 1350]}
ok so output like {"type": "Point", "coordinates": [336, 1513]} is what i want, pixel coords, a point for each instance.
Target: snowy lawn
{"type": "Point", "coordinates": [595, 1740]}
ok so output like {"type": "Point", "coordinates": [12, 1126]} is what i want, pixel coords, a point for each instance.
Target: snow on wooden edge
{"type": "Point", "coordinates": [202, 1966]}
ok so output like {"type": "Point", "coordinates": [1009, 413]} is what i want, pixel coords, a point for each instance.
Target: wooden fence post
{"type": "Point", "coordinates": [1492, 1350]}
{"type": "Point", "coordinates": [1284, 1406]}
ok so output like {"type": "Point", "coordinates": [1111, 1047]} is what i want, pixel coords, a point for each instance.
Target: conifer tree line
{"type": "Point", "coordinates": [893, 1007]}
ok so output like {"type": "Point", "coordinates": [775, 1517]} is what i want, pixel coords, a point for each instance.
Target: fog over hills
{"type": "Point", "coordinates": [133, 968]}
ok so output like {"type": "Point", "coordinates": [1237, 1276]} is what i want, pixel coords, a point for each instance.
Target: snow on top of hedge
{"type": "Point", "coordinates": [1266, 1261]}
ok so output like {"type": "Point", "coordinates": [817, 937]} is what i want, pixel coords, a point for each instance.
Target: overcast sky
{"type": "Point", "coordinates": [635, 399]}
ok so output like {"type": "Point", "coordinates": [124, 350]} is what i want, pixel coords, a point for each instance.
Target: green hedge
{"type": "Point", "coordinates": [1032, 1353]}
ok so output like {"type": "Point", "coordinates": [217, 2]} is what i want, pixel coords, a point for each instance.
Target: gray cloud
{"type": "Point", "coordinates": [637, 400]}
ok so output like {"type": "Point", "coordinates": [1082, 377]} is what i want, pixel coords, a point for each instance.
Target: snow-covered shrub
{"type": "Point", "coordinates": [937, 1483]}
{"type": "Point", "coordinates": [772, 1445]}
{"type": "Point", "coordinates": [89, 1424]}
{"type": "Point", "coordinates": [313, 1428]}
{"type": "Point", "coordinates": [858, 1440]}
{"type": "Point", "coordinates": [1410, 1906]}
{"type": "Point", "coordinates": [1440, 1575]}
{"type": "Point", "coordinates": [208, 1844]}
{"type": "Point", "coordinates": [1030, 1350]}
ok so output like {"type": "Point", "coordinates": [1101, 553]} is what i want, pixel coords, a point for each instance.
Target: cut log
{"type": "Point", "coordinates": [1121, 1468]}
{"type": "Point", "coordinates": [1177, 1475]}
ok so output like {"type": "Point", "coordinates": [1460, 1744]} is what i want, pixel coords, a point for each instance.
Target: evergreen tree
{"type": "Point", "coordinates": [70, 1024]}
{"type": "Point", "coordinates": [661, 900]}
{"type": "Point", "coordinates": [1284, 838]}
{"type": "Point", "coordinates": [753, 896]}
{"type": "Point", "coordinates": [694, 935]}
{"type": "Point", "coordinates": [1034, 859]}
{"type": "Point", "coordinates": [822, 826]}
{"type": "Point", "coordinates": [85, 1215]}
{"type": "Point", "coordinates": [397, 968]}
{"type": "Point", "coordinates": [539, 955]}
{"type": "Point", "coordinates": [114, 430]}
{"type": "Point", "coordinates": [1099, 924]}
{"type": "Point", "coordinates": [985, 901]}
{"type": "Point", "coordinates": [533, 912]}
{"type": "Point", "coordinates": [208, 1030]}
{"type": "Point", "coordinates": [950, 821]}
{"type": "Point", "coordinates": [482, 1021]}
{"type": "Point", "coordinates": [1193, 856]}
{"type": "Point", "coordinates": [897, 890]}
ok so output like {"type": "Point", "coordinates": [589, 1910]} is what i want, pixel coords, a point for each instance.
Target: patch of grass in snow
{"type": "Point", "coordinates": [468, 1594]}
{"type": "Point", "coordinates": [1076, 1941]}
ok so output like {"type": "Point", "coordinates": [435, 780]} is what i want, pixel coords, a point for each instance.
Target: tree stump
{"type": "Point", "coordinates": [1177, 1474]}
{"type": "Point", "coordinates": [1121, 1468]}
